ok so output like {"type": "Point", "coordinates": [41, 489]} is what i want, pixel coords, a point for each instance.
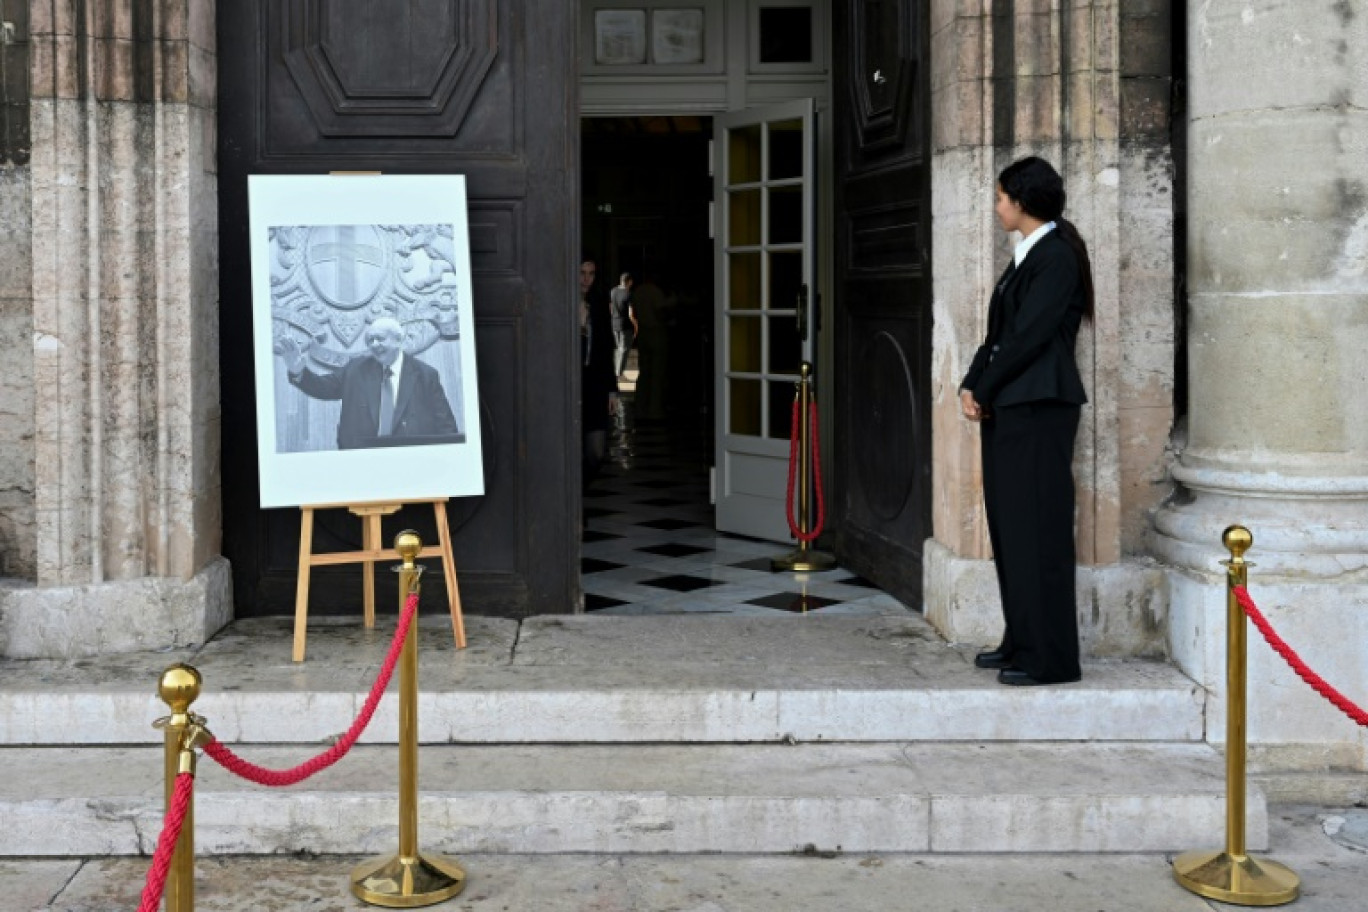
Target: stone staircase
{"type": "Point", "coordinates": [677, 734]}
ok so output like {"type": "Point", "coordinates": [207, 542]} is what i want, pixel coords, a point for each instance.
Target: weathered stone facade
{"type": "Point", "coordinates": [1242, 397]}
{"type": "Point", "coordinates": [17, 390]}
{"type": "Point", "coordinates": [17, 555]}
{"type": "Point", "coordinates": [120, 427]}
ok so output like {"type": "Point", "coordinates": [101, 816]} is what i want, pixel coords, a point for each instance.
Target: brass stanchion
{"type": "Point", "coordinates": [179, 687]}
{"type": "Point", "coordinates": [1233, 876]}
{"type": "Point", "coordinates": [804, 558]}
{"type": "Point", "coordinates": [408, 880]}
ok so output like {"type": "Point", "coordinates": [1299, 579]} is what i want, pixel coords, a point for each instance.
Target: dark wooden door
{"type": "Point", "coordinates": [484, 88]}
{"type": "Point", "coordinates": [883, 291]}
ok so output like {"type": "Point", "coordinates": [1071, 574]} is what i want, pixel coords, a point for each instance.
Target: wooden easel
{"type": "Point", "coordinates": [371, 552]}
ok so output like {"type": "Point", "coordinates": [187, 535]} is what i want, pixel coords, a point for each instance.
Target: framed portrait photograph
{"type": "Point", "coordinates": [363, 338]}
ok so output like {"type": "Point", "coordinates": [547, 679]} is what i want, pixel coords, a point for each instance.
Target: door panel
{"type": "Point", "coordinates": [882, 311]}
{"type": "Point", "coordinates": [765, 195]}
{"type": "Point", "coordinates": [426, 86]}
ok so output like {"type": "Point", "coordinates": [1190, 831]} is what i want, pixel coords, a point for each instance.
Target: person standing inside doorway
{"type": "Point", "coordinates": [598, 383]}
{"type": "Point", "coordinates": [620, 300]}
{"type": "Point", "coordinates": [1024, 389]}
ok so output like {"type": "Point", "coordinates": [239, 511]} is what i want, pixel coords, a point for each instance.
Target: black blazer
{"type": "Point", "coordinates": [1033, 322]}
{"type": "Point", "coordinates": [421, 407]}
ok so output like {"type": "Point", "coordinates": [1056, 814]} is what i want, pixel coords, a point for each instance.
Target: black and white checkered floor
{"type": "Point", "coordinates": [650, 546]}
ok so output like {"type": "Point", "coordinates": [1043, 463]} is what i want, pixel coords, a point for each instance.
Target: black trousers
{"type": "Point", "coordinates": [1028, 489]}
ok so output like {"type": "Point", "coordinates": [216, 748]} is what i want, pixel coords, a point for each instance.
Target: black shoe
{"type": "Point", "coordinates": [993, 658]}
{"type": "Point", "coordinates": [1015, 677]}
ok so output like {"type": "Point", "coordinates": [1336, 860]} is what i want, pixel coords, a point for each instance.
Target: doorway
{"type": "Point", "coordinates": [645, 192]}
{"type": "Point", "coordinates": [866, 68]}
{"type": "Point", "coordinates": [486, 117]}
{"type": "Point", "coordinates": [650, 542]}
{"type": "Point", "coordinates": [646, 188]}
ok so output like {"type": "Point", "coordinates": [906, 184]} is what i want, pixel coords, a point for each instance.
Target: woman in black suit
{"type": "Point", "coordinates": [1024, 388]}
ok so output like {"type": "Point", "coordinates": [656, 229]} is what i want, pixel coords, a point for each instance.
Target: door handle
{"type": "Point", "coordinates": [802, 313]}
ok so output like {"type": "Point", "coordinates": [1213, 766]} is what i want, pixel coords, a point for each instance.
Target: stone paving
{"type": "Point", "coordinates": [1327, 847]}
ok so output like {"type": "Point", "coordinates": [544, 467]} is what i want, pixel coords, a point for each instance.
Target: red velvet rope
{"type": "Point", "coordinates": [1343, 703]}
{"type": "Point", "coordinates": [816, 474]}
{"type": "Point", "coordinates": [277, 778]}
{"type": "Point", "coordinates": [166, 843]}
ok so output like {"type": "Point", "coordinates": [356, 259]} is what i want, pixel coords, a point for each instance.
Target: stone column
{"type": "Point", "coordinates": [124, 325]}
{"type": "Point", "coordinates": [1086, 85]}
{"type": "Point", "coordinates": [17, 555]}
{"type": "Point", "coordinates": [1278, 364]}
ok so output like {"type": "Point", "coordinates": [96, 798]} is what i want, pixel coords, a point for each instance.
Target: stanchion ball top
{"type": "Point", "coordinates": [179, 687]}
{"type": "Point", "coordinates": [1237, 540]}
{"type": "Point", "coordinates": [408, 544]}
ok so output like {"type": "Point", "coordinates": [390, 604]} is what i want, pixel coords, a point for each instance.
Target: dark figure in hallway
{"type": "Point", "coordinates": [624, 324]}
{"type": "Point", "coordinates": [651, 312]}
{"type": "Point", "coordinates": [1024, 388]}
{"type": "Point", "coordinates": [598, 380]}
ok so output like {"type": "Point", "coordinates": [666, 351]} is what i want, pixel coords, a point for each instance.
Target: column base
{"type": "Point", "coordinates": [1122, 608]}
{"type": "Point", "coordinates": [68, 622]}
{"type": "Point", "coordinates": [1309, 577]}
{"type": "Point", "coordinates": [1290, 727]}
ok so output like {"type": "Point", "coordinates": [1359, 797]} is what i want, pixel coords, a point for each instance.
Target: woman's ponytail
{"type": "Point", "coordinates": [1070, 234]}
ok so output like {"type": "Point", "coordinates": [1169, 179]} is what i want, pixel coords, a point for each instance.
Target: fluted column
{"type": "Point", "coordinates": [125, 442]}
{"type": "Point", "coordinates": [1278, 359]}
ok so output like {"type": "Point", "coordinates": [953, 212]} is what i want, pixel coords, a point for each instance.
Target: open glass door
{"type": "Point", "coordinates": [764, 174]}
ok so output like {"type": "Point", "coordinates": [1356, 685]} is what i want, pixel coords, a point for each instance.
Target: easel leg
{"type": "Point", "coordinates": [370, 541]}
{"type": "Point", "coordinates": [449, 569]}
{"type": "Point", "coordinates": [302, 586]}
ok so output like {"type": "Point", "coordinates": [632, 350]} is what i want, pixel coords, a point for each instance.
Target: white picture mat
{"type": "Point", "coordinates": [369, 475]}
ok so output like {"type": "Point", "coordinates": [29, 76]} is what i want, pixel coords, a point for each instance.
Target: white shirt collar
{"type": "Point", "coordinates": [1030, 241]}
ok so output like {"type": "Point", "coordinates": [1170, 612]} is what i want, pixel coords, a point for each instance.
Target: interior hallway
{"type": "Point", "coordinates": [650, 547]}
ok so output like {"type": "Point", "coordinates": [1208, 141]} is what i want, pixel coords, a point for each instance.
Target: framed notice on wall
{"type": "Point", "coordinates": [363, 338]}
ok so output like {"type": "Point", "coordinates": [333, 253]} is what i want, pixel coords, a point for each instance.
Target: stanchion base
{"type": "Point", "coordinates": [804, 560]}
{"type": "Point", "coordinates": [400, 882]}
{"type": "Point", "coordinates": [1239, 879]}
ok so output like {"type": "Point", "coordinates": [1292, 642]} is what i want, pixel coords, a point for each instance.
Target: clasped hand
{"type": "Point", "coordinates": [970, 408]}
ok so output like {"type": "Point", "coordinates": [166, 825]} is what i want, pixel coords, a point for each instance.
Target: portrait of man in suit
{"type": "Point", "coordinates": [388, 398]}
{"type": "Point", "coordinates": [366, 336]}
{"type": "Point", "coordinates": [364, 339]}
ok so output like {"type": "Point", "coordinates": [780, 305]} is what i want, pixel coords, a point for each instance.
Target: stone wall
{"type": "Point", "coordinates": [1088, 86]}
{"type": "Point", "coordinates": [17, 392]}
{"type": "Point", "coordinates": [123, 322]}
{"type": "Point", "coordinates": [1147, 311]}
{"type": "Point", "coordinates": [17, 555]}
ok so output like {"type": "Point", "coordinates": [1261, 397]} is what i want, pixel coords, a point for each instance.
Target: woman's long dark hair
{"type": "Point", "coordinates": [1037, 186]}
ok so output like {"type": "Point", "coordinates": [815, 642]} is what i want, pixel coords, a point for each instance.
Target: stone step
{"type": "Point", "coordinates": [601, 680]}
{"type": "Point", "coordinates": [1325, 846]}
{"type": "Point", "coordinates": [629, 799]}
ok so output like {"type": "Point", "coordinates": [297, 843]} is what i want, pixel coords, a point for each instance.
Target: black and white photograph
{"type": "Point", "coordinates": [364, 348]}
